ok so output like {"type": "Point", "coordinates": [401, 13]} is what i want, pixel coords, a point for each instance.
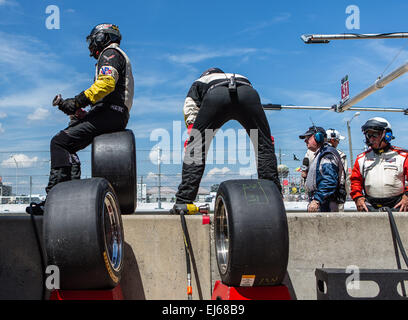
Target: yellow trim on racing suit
{"type": "Point", "coordinates": [104, 85]}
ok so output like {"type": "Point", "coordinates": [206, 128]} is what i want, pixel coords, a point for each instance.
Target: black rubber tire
{"type": "Point", "coordinates": [114, 158]}
{"type": "Point", "coordinates": [251, 235]}
{"type": "Point", "coordinates": [82, 220]}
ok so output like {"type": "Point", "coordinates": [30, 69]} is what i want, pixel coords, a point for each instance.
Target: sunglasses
{"type": "Point", "coordinates": [373, 135]}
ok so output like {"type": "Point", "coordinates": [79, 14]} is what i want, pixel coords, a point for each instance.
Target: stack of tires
{"type": "Point", "coordinates": [83, 231]}
{"type": "Point", "coordinates": [251, 233]}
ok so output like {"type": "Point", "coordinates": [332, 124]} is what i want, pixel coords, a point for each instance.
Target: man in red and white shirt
{"type": "Point", "coordinates": [379, 174]}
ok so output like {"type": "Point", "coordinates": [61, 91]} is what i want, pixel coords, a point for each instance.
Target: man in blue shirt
{"type": "Point", "coordinates": [325, 174]}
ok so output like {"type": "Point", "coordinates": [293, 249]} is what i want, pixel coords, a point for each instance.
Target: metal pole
{"type": "Point", "coordinates": [325, 38]}
{"type": "Point", "coordinates": [349, 135]}
{"type": "Point", "coordinates": [159, 179]}
{"type": "Point", "coordinates": [278, 107]}
{"type": "Point", "coordinates": [280, 156]}
{"type": "Point", "coordinates": [141, 188]}
{"type": "Point", "coordinates": [16, 177]}
{"type": "Point", "coordinates": [350, 145]}
{"type": "Point", "coordinates": [31, 188]}
{"type": "Point", "coordinates": [379, 84]}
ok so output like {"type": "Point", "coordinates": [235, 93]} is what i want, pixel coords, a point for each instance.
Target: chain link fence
{"type": "Point", "coordinates": [25, 173]}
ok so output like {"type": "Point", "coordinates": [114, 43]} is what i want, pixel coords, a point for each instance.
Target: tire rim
{"type": "Point", "coordinates": [113, 231]}
{"type": "Point", "coordinates": [222, 235]}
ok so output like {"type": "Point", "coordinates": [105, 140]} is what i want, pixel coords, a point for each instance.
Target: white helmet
{"type": "Point", "coordinates": [334, 134]}
{"type": "Point", "coordinates": [377, 123]}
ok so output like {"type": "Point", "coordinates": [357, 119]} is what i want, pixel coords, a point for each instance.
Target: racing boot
{"type": "Point", "coordinates": [36, 209]}
{"type": "Point", "coordinates": [57, 175]}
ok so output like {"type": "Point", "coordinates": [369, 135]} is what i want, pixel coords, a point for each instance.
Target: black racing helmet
{"type": "Point", "coordinates": [210, 71]}
{"type": "Point", "coordinates": [101, 36]}
{"type": "Point", "coordinates": [377, 123]}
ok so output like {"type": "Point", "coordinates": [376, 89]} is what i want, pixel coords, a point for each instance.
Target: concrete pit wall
{"type": "Point", "coordinates": [155, 266]}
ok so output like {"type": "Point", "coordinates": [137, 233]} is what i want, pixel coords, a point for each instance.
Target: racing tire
{"type": "Point", "coordinates": [114, 158]}
{"type": "Point", "coordinates": [83, 234]}
{"type": "Point", "coordinates": [251, 233]}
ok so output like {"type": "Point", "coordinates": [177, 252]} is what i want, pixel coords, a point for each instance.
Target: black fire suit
{"type": "Point", "coordinates": [111, 97]}
{"type": "Point", "coordinates": [208, 105]}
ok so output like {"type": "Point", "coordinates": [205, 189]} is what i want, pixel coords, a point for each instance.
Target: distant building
{"type": "Point", "coordinates": [168, 194]}
{"type": "Point", "coordinates": [5, 190]}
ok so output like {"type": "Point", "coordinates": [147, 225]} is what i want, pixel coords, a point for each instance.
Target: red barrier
{"type": "Point", "coordinates": [113, 294]}
{"type": "Point", "coordinates": [224, 292]}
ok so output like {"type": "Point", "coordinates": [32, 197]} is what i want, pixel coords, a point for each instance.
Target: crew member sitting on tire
{"type": "Point", "coordinates": [110, 98]}
{"type": "Point", "coordinates": [379, 174]}
{"type": "Point", "coordinates": [213, 99]}
{"type": "Point", "coordinates": [325, 176]}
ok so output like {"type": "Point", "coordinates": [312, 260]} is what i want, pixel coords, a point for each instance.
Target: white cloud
{"type": "Point", "coordinates": [19, 161]}
{"type": "Point", "coordinates": [165, 157]}
{"type": "Point", "coordinates": [1, 128]}
{"type": "Point", "coordinates": [38, 114]}
{"type": "Point", "coordinates": [216, 173]}
{"type": "Point", "coordinates": [149, 80]}
{"type": "Point", "coordinates": [6, 2]}
{"type": "Point", "coordinates": [37, 98]}
{"type": "Point", "coordinates": [24, 53]}
{"type": "Point", "coordinates": [200, 54]}
{"type": "Point", "coordinates": [3, 115]}
{"type": "Point", "coordinates": [151, 176]}
{"type": "Point", "coordinates": [27, 57]}
{"type": "Point", "coordinates": [283, 17]}
{"type": "Point", "coordinates": [249, 171]}
{"type": "Point", "coordinates": [157, 105]}
{"type": "Point", "coordinates": [309, 97]}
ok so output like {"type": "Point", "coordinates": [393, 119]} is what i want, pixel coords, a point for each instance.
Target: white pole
{"type": "Point", "coordinates": [325, 38]}
{"type": "Point", "coordinates": [16, 175]}
{"type": "Point", "coordinates": [159, 165]}
{"type": "Point", "coordinates": [278, 107]}
{"type": "Point", "coordinates": [349, 134]}
{"type": "Point", "coordinates": [31, 188]}
{"type": "Point", "coordinates": [379, 84]}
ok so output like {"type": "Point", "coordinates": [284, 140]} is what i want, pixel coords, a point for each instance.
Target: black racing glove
{"type": "Point", "coordinates": [69, 106]}
{"type": "Point", "coordinates": [82, 101]}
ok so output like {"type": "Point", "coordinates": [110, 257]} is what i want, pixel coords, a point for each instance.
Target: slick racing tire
{"type": "Point", "coordinates": [114, 158]}
{"type": "Point", "coordinates": [83, 234]}
{"type": "Point", "coordinates": [251, 233]}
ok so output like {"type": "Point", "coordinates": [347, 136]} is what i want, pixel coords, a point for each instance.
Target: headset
{"type": "Point", "coordinates": [388, 136]}
{"type": "Point", "coordinates": [319, 136]}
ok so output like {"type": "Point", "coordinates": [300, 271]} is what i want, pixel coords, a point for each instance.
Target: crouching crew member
{"type": "Point", "coordinates": [213, 99]}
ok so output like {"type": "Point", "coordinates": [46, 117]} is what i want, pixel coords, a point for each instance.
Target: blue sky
{"type": "Point", "coordinates": [170, 43]}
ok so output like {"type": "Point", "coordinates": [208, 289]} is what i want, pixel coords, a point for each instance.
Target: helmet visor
{"type": "Point", "coordinates": [373, 134]}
